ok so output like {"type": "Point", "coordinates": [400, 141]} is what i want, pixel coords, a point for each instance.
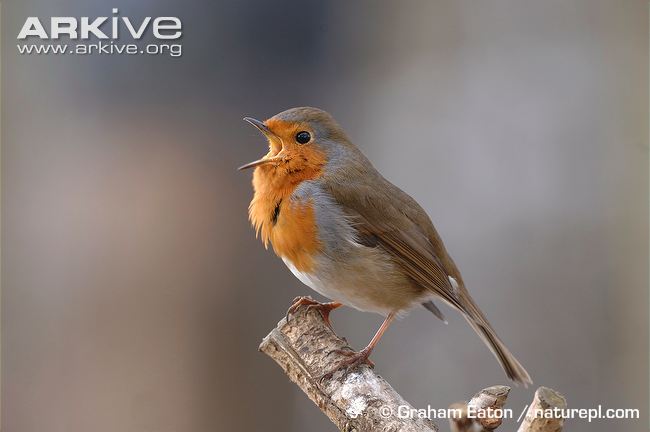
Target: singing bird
{"type": "Point", "coordinates": [351, 235]}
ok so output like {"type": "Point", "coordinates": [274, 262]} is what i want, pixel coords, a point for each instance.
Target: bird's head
{"type": "Point", "coordinates": [301, 141]}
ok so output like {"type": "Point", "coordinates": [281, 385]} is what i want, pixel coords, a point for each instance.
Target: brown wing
{"type": "Point", "coordinates": [388, 217]}
{"type": "Point", "coordinates": [385, 215]}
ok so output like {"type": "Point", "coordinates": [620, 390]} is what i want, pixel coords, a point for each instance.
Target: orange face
{"type": "Point", "coordinates": [291, 147]}
{"type": "Point", "coordinates": [292, 158]}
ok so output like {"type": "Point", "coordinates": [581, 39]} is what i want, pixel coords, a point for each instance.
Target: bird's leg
{"type": "Point", "coordinates": [323, 308]}
{"type": "Point", "coordinates": [355, 358]}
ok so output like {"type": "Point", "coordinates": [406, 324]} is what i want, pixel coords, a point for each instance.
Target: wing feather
{"type": "Point", "coordinates": [387, 217]}
{"type": "Point", "coordinates": [397, 223]}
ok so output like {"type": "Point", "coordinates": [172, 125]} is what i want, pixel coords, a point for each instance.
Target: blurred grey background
{"type": "Point", "coordinates": [135, 293]}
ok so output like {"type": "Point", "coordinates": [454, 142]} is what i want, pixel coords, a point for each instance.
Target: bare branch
{"type": "Point", "coordinates": [305, 347]}
{"type": "Point", "coordinates": [541, 415]}
{"type": "Point", "coordinates": [482, 412]}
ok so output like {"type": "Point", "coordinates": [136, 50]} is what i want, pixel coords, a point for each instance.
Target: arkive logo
{"type": "Point", "coordinates": [82, 28]}
{"type": "Point", "coordinates": [106, 30]}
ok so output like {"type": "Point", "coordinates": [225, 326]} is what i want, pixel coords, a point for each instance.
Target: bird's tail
{"type": "Point", "coordinates": [513, 369]}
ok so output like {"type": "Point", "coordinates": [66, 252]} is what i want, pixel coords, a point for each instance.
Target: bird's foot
{"type": "Point", "coordinates": [323, 308]}
{"type": "Point", "coordinates": [354, 359]}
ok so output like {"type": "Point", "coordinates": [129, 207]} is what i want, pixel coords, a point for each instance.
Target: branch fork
{"type": "Point", "coordinates": [306, 348]}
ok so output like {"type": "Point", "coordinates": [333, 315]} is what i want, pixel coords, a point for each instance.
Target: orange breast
{"type": "Point", "coordinates": [295, 235]}
{"type": "Point", "coordinates": [290, 226]}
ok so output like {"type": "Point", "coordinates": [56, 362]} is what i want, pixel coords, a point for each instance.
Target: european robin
{"type": "Point", "coordinates": [350, 234]}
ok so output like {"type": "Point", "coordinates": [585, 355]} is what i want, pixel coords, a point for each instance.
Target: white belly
{"type": "Point", "coordinates": [313, 282]}
{"type": "Point", "coordinates": [347, 287]}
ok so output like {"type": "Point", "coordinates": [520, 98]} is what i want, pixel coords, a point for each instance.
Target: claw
{"type": "Point", "coordinates": [323, 308]}
{"type": "Point", "coordinates": [354, 359]}
{"type": "Point", "coordinates": [296, 303]}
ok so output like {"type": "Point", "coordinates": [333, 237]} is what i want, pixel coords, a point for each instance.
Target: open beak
{"type": "Point", "coordinates": [268, 133]}
{"type": "Point", "coordinates": [260, 126]}
{"type": "Point", "coordinates": [259, 162]}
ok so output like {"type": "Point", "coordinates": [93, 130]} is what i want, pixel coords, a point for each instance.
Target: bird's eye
{"type": "Point", "coordinates": [303, 137]}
